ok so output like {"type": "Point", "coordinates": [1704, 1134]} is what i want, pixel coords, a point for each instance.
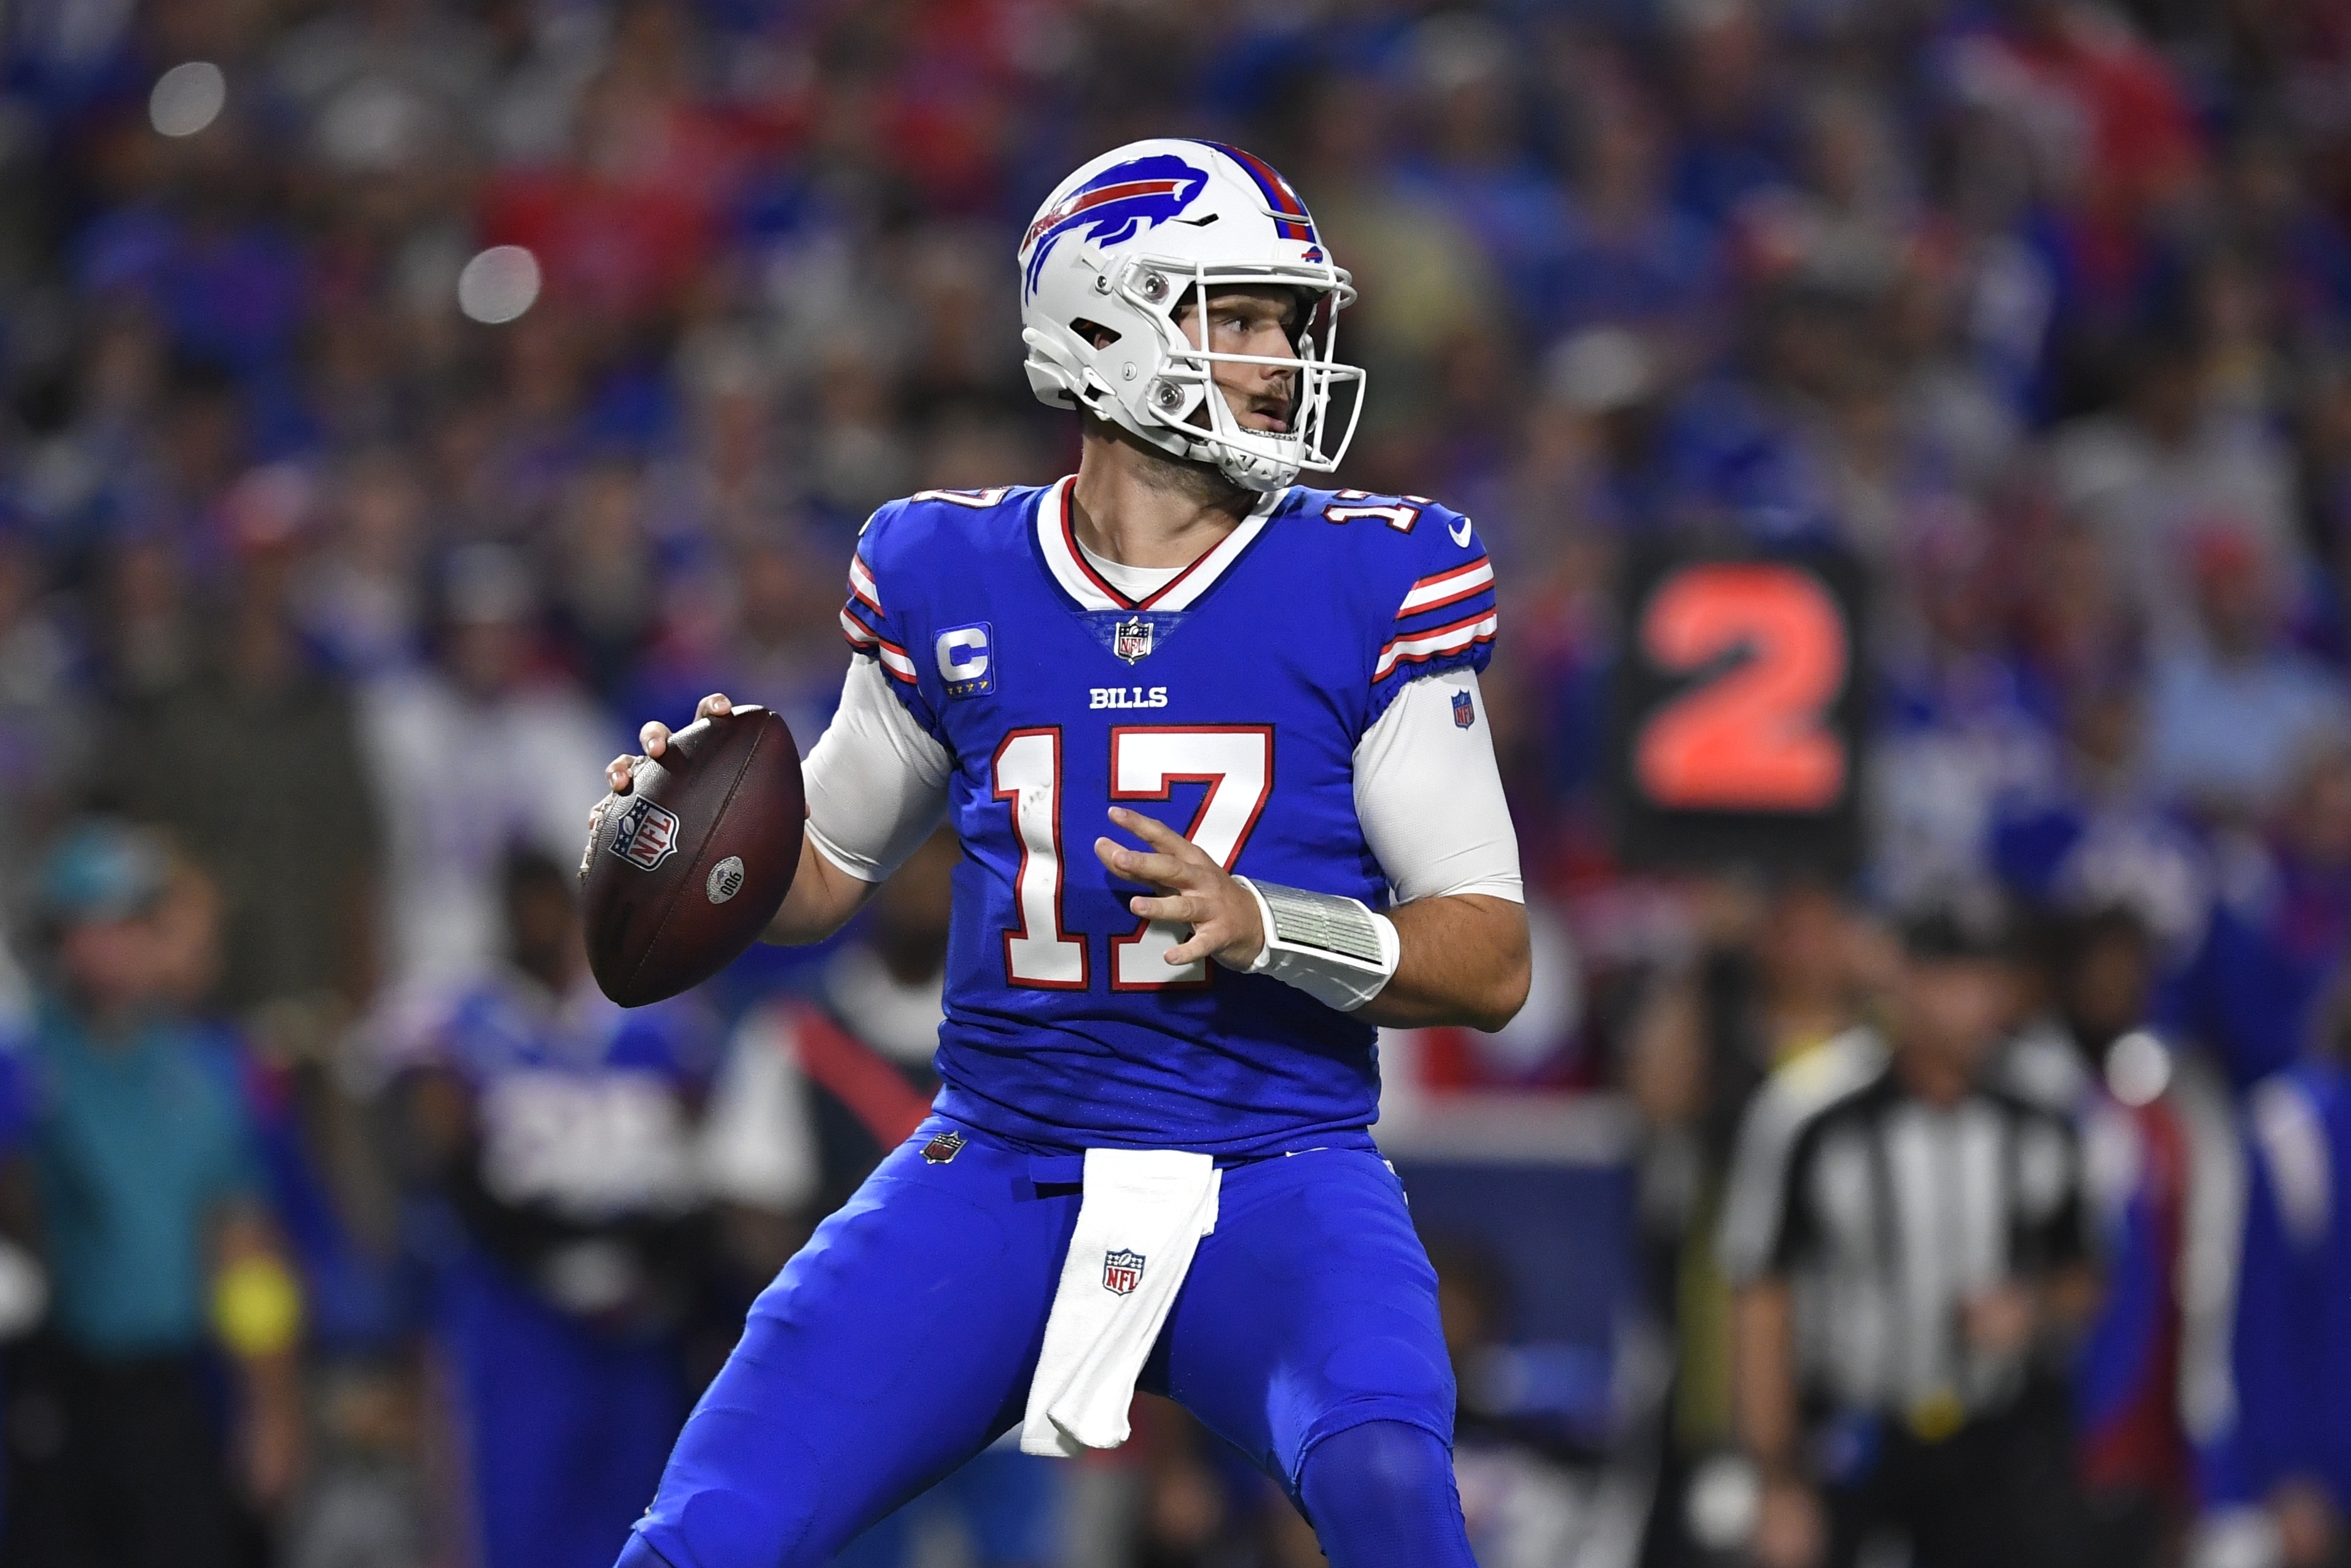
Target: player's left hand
{"type": "Point", "coordinates": [1199, 893]}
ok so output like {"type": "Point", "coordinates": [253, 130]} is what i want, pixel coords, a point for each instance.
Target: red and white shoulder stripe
{"type": "Point", "coordinates": [1443, 614]}
{"type": "Point", "coordinates": [862, 586]}
{"type": "Point", "coordinates": [863, 608]}
{"type": "Point", "coordinates": [865, 640]}
{"type": "Point", "coordinates": [1435, 642]}
{"type": "Point", "coordinates": [1448, 588]}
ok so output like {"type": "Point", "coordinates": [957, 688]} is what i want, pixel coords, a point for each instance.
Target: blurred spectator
{"type": "Point", "coordinates": [1905, 1239]}
{"type": "Point", "coordinates": [1626, 256]}
{"type": "Point", "coordinates": [2158, 1169]}
{"type": "Point", "coordinates": [2165, 471]}
{"type": "Point", "coordinates": [252, 760]}
{"type": "Point", "coordinates": [754, 621]}
{"type": "Point", "coordinates": [601, 571]}
{"type": "Point", "coordinates": [483, 749]}
{"type": "Point", "coordinates": [2278, 929]}
{"type": "Point", "coordinates": [1736, 137]}
{"type": "Point", "coordinates": [2233, 717]}
{"type": "Point", "coordinates": [2094, 834]}
{"type": "Point", "coordinates": [2280, 1475]}
{"type": "Point", "coordinates": [1781, 975]}
{"type": "Point", "coordinates": [358, 597]}
{"type": "Point", "coordinates": [152, 1215]}
{"type": "Point", "coordinates": [45, 737]}
{"type": "Point", "coordinates": [357, 1498]}
{"type": "Point", "coordinates": [2107, 115]}
{"type": "Point", "coordinates": [1844, 230]}
{"type": "Point", "coordinates": [561, 1207]}
{"type": "Point", "coordinates": [1473, 161]}
{"type": "Point", "coordinates": [1593, 453]}
{"type": "Point", "coordinates": [1425, 280]}
{"type": "Point", "coordinates": [1522, 1495]}
{"type": "Point", "coordinates": [1967, 722]}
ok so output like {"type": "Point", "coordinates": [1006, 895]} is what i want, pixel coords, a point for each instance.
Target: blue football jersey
{"type": "Point", "coordinates": [586, 1109]}
{"type": "Point", "coordinates": [1229, 703]}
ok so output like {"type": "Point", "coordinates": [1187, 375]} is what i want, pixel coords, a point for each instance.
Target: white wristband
{"type": "Point", "coordinates": [1338, 950]}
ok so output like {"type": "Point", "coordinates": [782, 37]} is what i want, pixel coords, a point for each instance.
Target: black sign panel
{"type": "Point", "coordinates": [1736, 736]}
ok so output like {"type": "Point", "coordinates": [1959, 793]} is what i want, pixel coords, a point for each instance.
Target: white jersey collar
{"type": "Point", "coordinates": [1059, 543]}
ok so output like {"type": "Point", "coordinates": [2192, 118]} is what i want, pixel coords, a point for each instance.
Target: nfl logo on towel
{"type": "Point", "coordinates": [1132, 641]}
{"type": "Point", "coordinates": [1464, 716]}
{"type": "Point", "coordinates": [1121, 1271]}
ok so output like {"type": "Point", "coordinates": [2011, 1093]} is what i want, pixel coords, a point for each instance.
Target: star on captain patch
{"type": "Point", "coordinates": [1464, 715]}
{"type": "Point", "coordinates": [1131, 639]}
{"type": "Point", "coordinates": [942, 1148]}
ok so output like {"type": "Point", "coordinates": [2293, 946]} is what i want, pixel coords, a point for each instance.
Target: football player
{"type": "Point", "coordinates": [1214, 746]}
{"type": "Point", "coordinates": [556, 1143]}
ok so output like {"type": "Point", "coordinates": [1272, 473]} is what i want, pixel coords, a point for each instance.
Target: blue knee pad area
{"type": "Point", "coordinates": [1380, 1495]}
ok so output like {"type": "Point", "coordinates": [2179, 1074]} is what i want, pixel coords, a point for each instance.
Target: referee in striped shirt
{"type": "Point", "coordinates": [1906, 1239]}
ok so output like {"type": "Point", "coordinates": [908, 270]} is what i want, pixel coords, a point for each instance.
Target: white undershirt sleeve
{"type": "Point", "coordinates": [1429, 795]}
{"type": "Point", "coordinates": [876, 782]}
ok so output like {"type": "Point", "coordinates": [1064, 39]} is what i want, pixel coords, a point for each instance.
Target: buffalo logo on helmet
{"type": "Point", "coordinates": [646, 834]}
{"type": "Point", "coordinates": [1114, 205]}
{"type": "Point", "coordinates": [1121, 1273]}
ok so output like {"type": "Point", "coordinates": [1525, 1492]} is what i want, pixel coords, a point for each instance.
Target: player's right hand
{"type": "Point", "coordinates": [618, 773]}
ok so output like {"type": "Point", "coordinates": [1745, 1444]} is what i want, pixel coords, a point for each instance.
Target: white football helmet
{"type": "Point", "coordinates": [1129, 240]}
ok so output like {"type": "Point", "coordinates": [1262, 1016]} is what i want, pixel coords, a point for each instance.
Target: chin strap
{"type": "Point", "coordinates": [1338, 950]}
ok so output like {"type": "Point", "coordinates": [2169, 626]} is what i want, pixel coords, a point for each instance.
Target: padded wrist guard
{"type": "Point", "coordinates": [1337, 951]}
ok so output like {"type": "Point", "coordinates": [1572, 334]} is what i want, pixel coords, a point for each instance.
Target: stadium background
{"type": "Point", "coordinates": [404, 399]}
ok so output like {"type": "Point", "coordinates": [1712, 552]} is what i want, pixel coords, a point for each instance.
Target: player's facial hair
{"type": "Point", "coordinates": [1199, 483]}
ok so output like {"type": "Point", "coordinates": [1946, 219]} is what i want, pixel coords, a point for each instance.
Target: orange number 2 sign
{"type": "Point", "coordinates": [1755, 738]}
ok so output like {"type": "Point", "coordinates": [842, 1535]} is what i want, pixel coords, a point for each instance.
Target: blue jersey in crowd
{"type": "Point", "coordinates": [583, 1106]}
{"type": "Point", "coordinates": [2291, 1353]}
{"type": "Point", "coordinates": [1229, 704]}
{"type": "Point", "coordinates": [556, 1300]}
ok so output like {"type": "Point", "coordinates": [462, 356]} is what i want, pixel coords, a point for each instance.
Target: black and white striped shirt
{"type": "Point", "coordinates": [1885, 1214]}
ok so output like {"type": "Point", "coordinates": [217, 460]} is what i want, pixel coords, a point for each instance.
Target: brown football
{"type": "Point", "coordinates": [682, 872]}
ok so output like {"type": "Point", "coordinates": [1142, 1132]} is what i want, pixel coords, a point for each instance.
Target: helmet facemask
{"type": "Point", "coordinates": [1185, 385]}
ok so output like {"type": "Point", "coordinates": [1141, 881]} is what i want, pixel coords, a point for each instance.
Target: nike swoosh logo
{"type": "Point", "coordinates": [1460, 532]}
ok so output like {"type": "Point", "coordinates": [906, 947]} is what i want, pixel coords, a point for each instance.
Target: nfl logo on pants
{"type": "Point", "coordinates": [1121, 1271]}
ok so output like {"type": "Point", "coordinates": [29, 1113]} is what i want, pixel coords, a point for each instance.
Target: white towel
{"type": "Point", "coordinates": [1141, 1219]}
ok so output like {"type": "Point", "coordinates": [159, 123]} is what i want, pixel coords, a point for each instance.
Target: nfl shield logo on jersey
{"type": "Point", "coordinates": [1121, 1271]}
{"type": "Point", "coordinates": [646, 834]}
{"type": "Point", "coordinates": [1464, 716]}
{"type": "Point", "coordinates": [1132, 641]}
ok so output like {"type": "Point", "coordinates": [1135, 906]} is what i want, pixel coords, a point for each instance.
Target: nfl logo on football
{"type": "Point", "coordinates": [1132, 641]}
{"type": "Point", "coordinates": [646, 834]}
{"type": "Point", "coordinates": [1121, 1271]}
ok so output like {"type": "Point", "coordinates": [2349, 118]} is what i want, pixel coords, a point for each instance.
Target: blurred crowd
{"type": "Point", "coordinates": [405, 398]}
